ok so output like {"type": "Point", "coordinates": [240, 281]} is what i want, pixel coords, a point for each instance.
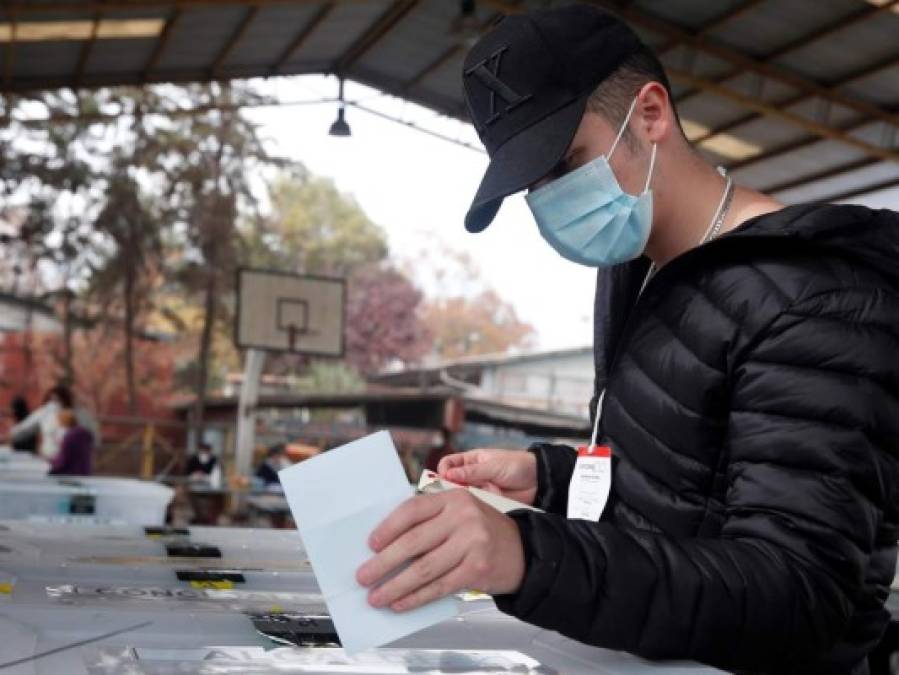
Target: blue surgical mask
{"type": "Point", "coordinates": [588, 218]}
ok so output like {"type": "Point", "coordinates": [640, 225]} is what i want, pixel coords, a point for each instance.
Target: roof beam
{"type": "Point", "coordinates": [433, 66]}
{"type": "Point", "coordinates": [866, 13]}
{"type": "Point", "coordinates": [750, 64]}
{"type": "Point", "coordinates": [857, 192]}
{"type": "Point", "coordinates": [388, 19]}
{"type": "Point", "coordinates": [886, 64]}
{"type": "Point", "coordinates": [735, 58]}
{"type": "Point", "coordinates": [24, 7]}
{"type": "Point", "coordinates": [444, 58]}
{"type": "Point", "coordinates": [714, 24]}
{"type": "Point", "coordinates": [233, 41]}
{"type": "Point", "coordinates": [85, 54]}
{"type": "Point", "coordinates": [753, 65]}
{"type": "Point", "coordinates": [9, 58]}
{"type": "Point", "coordinates": [808, 179]}
{"type": "Point", "coordinates": [793, 146]}
{"type": "Point", "coordinates": [773, 110]}
{"type": "Point", "coordinates": [161, 43]}
{"type": "Point", "coordinates": [301, 37]}
{"type": "Point", "coordinates": [784, 149]}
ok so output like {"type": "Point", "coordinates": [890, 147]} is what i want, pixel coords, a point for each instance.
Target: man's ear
{"type": "Point", "coordinates": [654, 113]}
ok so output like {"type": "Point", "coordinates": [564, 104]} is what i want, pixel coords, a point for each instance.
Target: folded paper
{"type": "Point", "coordinates": [337, 499]}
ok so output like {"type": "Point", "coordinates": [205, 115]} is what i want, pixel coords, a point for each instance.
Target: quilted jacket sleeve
{"type": "Point", "coordinates": [555, 464]}
{"type": "Point", "coordinates": [812, 476]}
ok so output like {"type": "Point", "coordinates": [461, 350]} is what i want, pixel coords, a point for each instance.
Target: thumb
{"type": "Point", "coordinates": [475, 474]}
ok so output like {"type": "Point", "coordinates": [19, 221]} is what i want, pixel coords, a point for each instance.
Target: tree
{"type": "Point", "coordinates": [463, 314]}
{"type": "Point", "coordinates": [315, 229]}
{"type": "Point", "coordinates": [484, 324]}
{"type": "Point", "coordinates": [138, 249]}
{"type": "Point", "coordinates": [208, 163]}
{"type": "Point", "coordinates": [47, 172]}
{"type": "Point", "coordinates": [383, 323]}
{"type": "Point", "coordinates": [312, 229]}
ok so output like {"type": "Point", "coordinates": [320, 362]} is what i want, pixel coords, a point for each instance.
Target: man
{"type": "Point", "coordinates": [204, 466]}
{"type": "Point", "coordinates": [275, 460]}
{"type": "Point", "coordinates": [751, 397]}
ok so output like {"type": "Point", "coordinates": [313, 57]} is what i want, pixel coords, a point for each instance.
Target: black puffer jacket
{"type": "Point", "coordinates": [753, 412]}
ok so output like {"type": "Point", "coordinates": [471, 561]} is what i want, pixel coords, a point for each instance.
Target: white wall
{"type": "Point", "coordinates": [560, 383]}
{"type": "Point", "coordinates": [14, 319]}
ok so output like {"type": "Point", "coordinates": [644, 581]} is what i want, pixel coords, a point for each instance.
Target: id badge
{"type": "Point", "coordinates": [591, 483]}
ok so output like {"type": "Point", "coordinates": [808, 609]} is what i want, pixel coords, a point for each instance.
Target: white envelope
{"type": "Point", "coordinates": [337, 499]}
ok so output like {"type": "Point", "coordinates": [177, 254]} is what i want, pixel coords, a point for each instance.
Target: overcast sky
{"type": "Point", "coordinates": [418, 188]}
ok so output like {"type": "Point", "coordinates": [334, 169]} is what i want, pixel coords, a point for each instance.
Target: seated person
{"type": "Point", "coordinates": [204, 466]}
{"type": "Point", "coordinates": [275, 460]}
{"type": "Point", "coordinates": [76, 450]}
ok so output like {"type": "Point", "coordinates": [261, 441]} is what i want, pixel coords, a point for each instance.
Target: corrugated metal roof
{"type": "Point", "coordinates": [799, 96]}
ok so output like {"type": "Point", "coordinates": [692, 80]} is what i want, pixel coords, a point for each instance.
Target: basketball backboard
{"type": "Point", "coordinates": [281, 312]}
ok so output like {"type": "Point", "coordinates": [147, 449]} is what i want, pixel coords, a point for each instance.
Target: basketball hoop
{"type": "Point", "coordinates": [279, 312]}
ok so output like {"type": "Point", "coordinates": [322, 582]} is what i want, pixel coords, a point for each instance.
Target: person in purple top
{"type": "Point", "coordinates": [77, 448]}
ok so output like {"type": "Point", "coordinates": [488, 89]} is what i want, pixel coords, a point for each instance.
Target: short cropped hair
{"type": "Point", "coordinates": [613, 97]}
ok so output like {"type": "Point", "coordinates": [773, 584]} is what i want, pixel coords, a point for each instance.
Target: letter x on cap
{"type": "Point", "coordinates": [527, 82]}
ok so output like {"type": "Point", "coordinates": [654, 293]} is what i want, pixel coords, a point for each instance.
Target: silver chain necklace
{"type": "Point", "coordinates": [721, 213]}
{"type": "Point", "coordinates": [714, 226]}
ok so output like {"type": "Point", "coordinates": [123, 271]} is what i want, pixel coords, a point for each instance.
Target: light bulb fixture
{"type": "Point", "coordinates": [340, 127]}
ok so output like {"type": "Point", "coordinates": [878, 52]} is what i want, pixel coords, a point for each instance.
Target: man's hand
{"type": "Point", "coordinates": [510, 473]}
{"type": "Point", "coordinates": [455, 542]}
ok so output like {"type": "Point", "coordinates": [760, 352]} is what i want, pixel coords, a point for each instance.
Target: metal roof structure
{"type": "Point", "coordinates": [798, 98]}
{"type": "Point", "coordinates": [416, 407]}
{"type": "Point", "coordinates": [469, 367]}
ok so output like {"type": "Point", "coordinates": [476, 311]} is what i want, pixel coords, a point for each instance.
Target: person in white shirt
{"type": "Point", "coordinates": [46, 420]}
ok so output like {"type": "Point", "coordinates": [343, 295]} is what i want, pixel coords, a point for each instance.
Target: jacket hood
{"type": "Point", "coordinates": [867, 235]}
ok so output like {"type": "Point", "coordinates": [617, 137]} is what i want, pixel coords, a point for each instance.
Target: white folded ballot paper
{"type": "Point", "coordinates": [337, 499]}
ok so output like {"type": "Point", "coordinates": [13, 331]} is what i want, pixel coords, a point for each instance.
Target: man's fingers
{"type": "Point", "coordinates": [462, 459]}
{"type": "Point", "coordinates": [421, 572]}
{"type": "Point", "coordinates": [448, 462]}
{"type": "Point", "coordinates": [407, 515]}
{"type": "Point", "coordinates": [420, 540]}
{"type": "Point", "coordinates": [451, 582]}
{"type": "Point", "coordinates": [475, 474]}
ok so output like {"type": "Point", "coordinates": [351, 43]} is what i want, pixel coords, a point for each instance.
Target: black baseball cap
{"type": "Point", "coordinates": [527, 82]}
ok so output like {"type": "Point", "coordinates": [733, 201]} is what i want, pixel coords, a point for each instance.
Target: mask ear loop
{"type": "Point", "coordinates": [598, 414]}
{"type": "Point", "coordinates": [652, 166]}
{"type": "Point", "coordinates": [627, 118]}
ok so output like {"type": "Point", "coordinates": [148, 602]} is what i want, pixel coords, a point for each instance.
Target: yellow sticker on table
{"type": "Point", "coordinates": [223, 585]}
{"type": "Point", "coordinates": [473, 595]}
{"type": "Point", "coordinates": [6, 589]}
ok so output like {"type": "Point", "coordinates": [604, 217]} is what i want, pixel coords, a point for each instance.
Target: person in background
{"type": "Point", "coordinates": [46, 420]}
{"type": "Point", "coordinates": [204, 465]}
{"type": "Point", "coordinates": [75, 454]}
{"type": "Point", "coordinates": [275, 460]}
{"type": "Point", "coordinates": [441, 446]}
{"type": "Point", "coordinates": [26, 441]}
